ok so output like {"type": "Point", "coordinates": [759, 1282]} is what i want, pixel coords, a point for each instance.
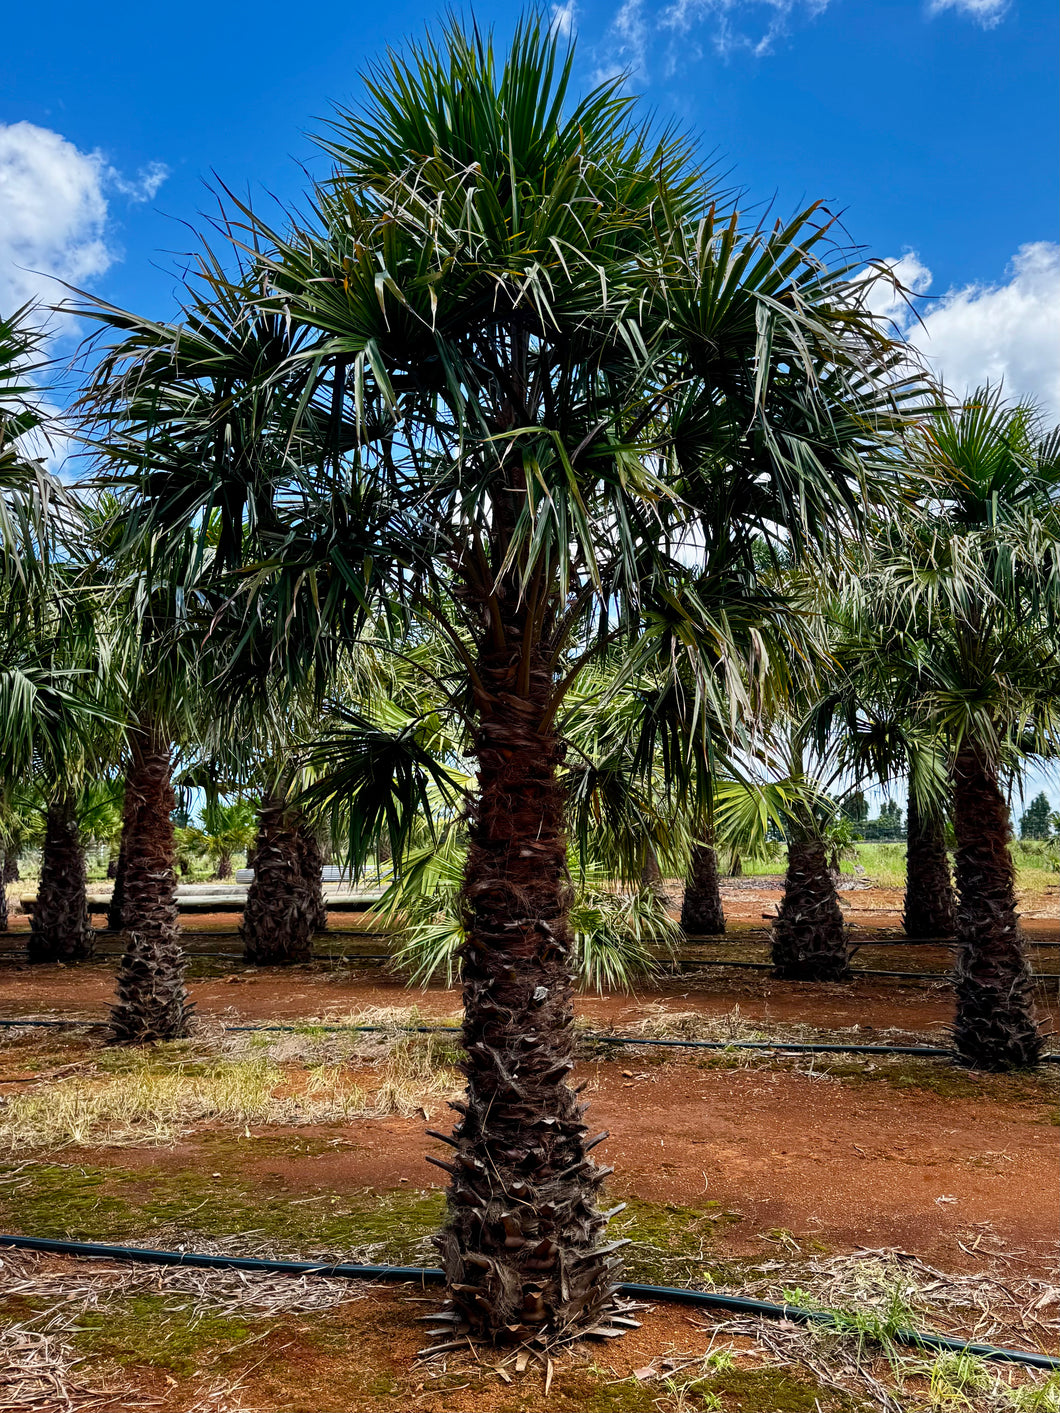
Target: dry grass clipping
{"type": "Point", "coordinates": [153, 1097]}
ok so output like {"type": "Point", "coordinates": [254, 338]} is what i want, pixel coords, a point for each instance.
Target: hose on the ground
{"type": "Point", "coordinates": [736, 1304]}
{"type": "Point", "coordinates": [807, 1047]}
{"type": "Point", "coordinates": [381, 957]}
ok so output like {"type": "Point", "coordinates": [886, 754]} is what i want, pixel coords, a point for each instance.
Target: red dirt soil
{"type": "Point", "coordinates": [844, 1162]}
{"type": "Point", "coordinates": [839, 1164]}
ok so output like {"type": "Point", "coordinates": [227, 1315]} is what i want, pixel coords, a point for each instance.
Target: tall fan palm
{"type": "Point", "coordinates": [509, 305]}
{"type": "Point", "coordinates": [967, 608]}
{"type": "Point", "coordinates": [51, 658]}
{"type": "Point", "coordinates": [161, 666]}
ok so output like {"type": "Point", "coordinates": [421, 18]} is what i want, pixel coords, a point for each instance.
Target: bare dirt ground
{"type": "Point", "coordinates": [733, 1164]}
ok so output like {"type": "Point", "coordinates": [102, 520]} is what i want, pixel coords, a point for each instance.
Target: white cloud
{"type": "Point", "coordinates": [747, 26]}
{"type": "Point", "coordinates": [148, 179]}
{"type": "Point", "coordinates": [987, 13]}
{"type": "Point", "coordinates": [54, 226]}
{"type": "Point", "coordinates": [750, 25]}
{"type": "Point", "coordinates": [626, 46]}
{"type": "Point", "coordinates": [54, 212]}
{"type": "Point", "coordinates": [1006, 333]}
{"type": "Point", "coordinates": [563, 18]}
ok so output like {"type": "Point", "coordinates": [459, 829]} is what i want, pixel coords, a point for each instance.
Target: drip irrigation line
{"type": "Point", "coordinates": [679, 961]}
{"type": "Point", "coordinates": [854, 971]}
{"type": "Point", "coordinates": [428, 1275]}
{"type": "Point", "coordinates": [802, 1047]}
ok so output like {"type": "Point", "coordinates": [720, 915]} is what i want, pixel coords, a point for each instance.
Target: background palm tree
{"type": "Point", "coordinates": [158, 655]}
{"type": "Point", "coordinates": [966, 609]}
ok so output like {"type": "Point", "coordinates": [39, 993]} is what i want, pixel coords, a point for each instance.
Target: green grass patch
{"type": "Point", "coordinates": [774, 1390]}
{"type": "Point", "coordinates": [164, 1333]}
{"type": "Point", "coordinates": [669, 1244]}
{"type": "Point", "coordinates": [948, 1081]}
{"type": "Point", "coordinates": [156, 1207]}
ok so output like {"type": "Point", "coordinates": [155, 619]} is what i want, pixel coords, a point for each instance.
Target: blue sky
{"type": "Point", "coordinates": [930, 123]}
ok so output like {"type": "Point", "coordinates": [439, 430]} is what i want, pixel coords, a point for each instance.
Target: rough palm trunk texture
{"type": "Point", "coordinates": [116, 906]}
{"type": "Point", "coordinates": [701, 910]}
{"type": "Point", "coordinates": [808, 936]}
{"type": "Point", "coordinates": [311, 863]}
{"type": "Point", "coordinates": [3, 891]}
{"type": "Point", "coordinates": [995, 1026]}
{"type": "Point", "coordinates": [60, 930]}
{"type": "Point", "coordinates": [521, 1245]}
{"type": "Point", "coordinates": [152, 1002]}
{"type": "Point", "coordinates": [276, 930]}
{"type": "Point", "coordinates": [930, 905]}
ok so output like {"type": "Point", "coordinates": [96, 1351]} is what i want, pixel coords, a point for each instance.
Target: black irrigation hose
{"type": "Point", "coordinates": [854, 971]}
{"type": "Point", "coordinates": [737, 1304]}
{"type": "Point", "coordinates": [803, 1047]}
{"type": "Point", "coordinates": [679, 961]}
{"type": "Point", "coordinates": [796, 1046]}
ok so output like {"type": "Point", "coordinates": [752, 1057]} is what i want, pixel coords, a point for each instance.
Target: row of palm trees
{"type": "Point", "coordinates": [553, 506]}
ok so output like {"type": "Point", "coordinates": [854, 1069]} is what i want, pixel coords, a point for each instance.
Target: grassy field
{"type": "Point", "coordinates": [884, 864]}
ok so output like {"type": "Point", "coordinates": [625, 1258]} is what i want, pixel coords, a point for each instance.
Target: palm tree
{"type": "Point", "coordinates": [49, 706]}
{"type": "Point", "coordinates": [161, 668]}
{"type": "Point", "coordinates": [507, 305]}
{"type": "Point", "coordinates": [879, 737]}
{"type": "Point", "coordinates": [280, 914]}
{"type": "Point", "coordinates": [930, 910]}
{"type": "Point", "coordinates": [60, 928]}
{"type": "Point", "coordinates": [227, 829]}
{"type": "Point", "coordinates": [968, 603]}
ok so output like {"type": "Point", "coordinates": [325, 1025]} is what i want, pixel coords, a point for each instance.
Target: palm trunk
{"type": "Point", "coordinates": [808, 935]}
{"type": "Point", "coordinates": [60, 927]}
{"type": "Point", "coordinates": [152, 1002]}
{"type": "Point", "coordinates": [3, 891]}
{"type": "Point", "coordinates": [116, 906]}
{"type": "Point", "coordinates": [224, 866]}
{"type": "Point", "coordinates": [276, 930]}
{"type": "Point", "coordinates": [311, 863]}
{"type": "Point", "coordinates": [930, 906]}
{"type": "Point", "coordinates": [701, 911]}
{"type": "Point", "coordinates": [521, 1245]}
{"type": "Point", "coordinates": [995, 1027]}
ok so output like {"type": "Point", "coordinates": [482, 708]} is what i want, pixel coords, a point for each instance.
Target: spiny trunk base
{"type": "Point", "coordinates": [276, 928]}
{"type": "Point", "coordinates": [60, 928]}
{"type": "Point", "coordinates": [930, 906]}
{"type": "Point", "coordinates": [995, 1026]}
{"type": "Point", "coordinates": [152, 1002]}
{"type": "Point", "coordinates": [701, 911]}
{"type": "Point", "coordinates": [521, 1246]}
{"type": "Point", "coordinates": [312, 869]}
{"type": "Point", "coordinates": [808, 935]}
{"type": "Point", "coordinates": [116, 906]}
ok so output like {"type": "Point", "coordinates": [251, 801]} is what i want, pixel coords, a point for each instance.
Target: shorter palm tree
{"type": "Point", "coordinates": [278, 921]}
{"type": "Point", "coordinates": [930, 910]}
{"type": "Point", "coordinates": [969, 603]}
{"type": "Point", "coordinates": [60, 929]}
